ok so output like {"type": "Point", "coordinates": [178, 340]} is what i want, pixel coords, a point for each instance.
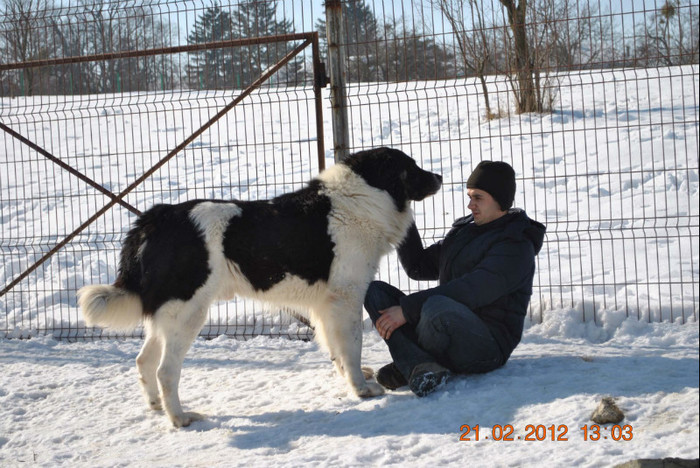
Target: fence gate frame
{"type": "Point", "coordinates": [320, 80]}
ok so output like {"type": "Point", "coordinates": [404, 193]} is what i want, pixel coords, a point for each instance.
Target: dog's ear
{"type": "Point", "coordinates": [393, 178]}
{"type": "Point", "coordinates": [411, 184]}
{"type": "Point", "coordinates": [385, 169]}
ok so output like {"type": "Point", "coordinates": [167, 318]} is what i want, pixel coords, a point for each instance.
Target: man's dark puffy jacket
{"type": "Point", "coordinates": [488, 268]}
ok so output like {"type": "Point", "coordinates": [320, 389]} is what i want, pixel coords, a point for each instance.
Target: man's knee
{"type": "Point", "coordinates": [380, 296]}
{"type": "Point", "coordinates": [372, 294]}
{"type": "Point", "coordinates": [434, 326]}
{"type": "Point", "coordinates": [451, 330]}
{"type": "Point", "coordinates": [375, 287]}
{"type": "Point", "coordinates": [440, 314]}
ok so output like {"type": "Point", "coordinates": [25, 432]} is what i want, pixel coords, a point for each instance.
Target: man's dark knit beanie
{"type": "Point", "coordinates": [497, 178]}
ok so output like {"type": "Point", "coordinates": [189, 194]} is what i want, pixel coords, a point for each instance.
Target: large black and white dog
{"type": "Point", "coordinates": [317, 248]}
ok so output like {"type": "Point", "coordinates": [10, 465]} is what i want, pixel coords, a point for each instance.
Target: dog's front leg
{"type": "Point", "coordinates": [341, 332]}
{"type": "Point", "coordinates": [351, 362]}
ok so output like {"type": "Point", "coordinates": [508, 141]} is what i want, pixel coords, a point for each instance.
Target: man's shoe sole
{"type": "Point", "coordinates": [426, 382]}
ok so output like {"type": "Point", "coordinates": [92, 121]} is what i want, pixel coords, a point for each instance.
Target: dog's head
{"type": "Point", "coordinates": [396, 173]}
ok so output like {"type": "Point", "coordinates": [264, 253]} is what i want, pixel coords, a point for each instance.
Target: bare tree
{"type": "Point", "coordinates": [671, 35]}
{"type": "Point", "coordinates": [118, 27]}
{"type": "Point", "coordinates": [521, 60]}
{"type": "Point", "coordinates": [68, 41]}
{"type": "Point", "coordinates": [525, 51]}
{"type": "Point", "coordinates": [473, 42]}
{"type": "Point", "coordinates": [39, 29]}
{"type": "Point", "coordinates": [581, 35]}
{"type": "Point", "coordinates": [543, 22]}
{"type": "Point", "coordinates": [24, 37]}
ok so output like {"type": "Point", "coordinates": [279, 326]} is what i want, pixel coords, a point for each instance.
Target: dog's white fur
{"type": "Point", "coordinates": [364, 224]}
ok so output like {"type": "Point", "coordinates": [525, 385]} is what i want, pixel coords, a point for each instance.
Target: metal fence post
{"type": "Point", "coordinates": [336, 59]}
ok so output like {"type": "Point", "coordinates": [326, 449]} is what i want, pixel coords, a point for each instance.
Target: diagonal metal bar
{"type": "Point", "coordinates": [68, 168]}
{"type": "Point", "coordinates": [246, 92]}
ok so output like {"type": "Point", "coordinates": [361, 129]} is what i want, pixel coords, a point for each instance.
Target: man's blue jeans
{"type": "Point", "coordinates": [448, 333]}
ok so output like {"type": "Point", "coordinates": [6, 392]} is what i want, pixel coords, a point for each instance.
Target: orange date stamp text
{"type": "Point", "coordinates": [542, 432]}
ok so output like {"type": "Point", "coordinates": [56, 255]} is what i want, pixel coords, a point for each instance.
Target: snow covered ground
{"type": "Point", "coordinates": [613, 173]}
{"type": "Point", "coordinates": [277, 402]}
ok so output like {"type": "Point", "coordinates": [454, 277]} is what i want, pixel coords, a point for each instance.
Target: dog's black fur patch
{"type": "Point", "coordinates": [173, 264]}
{"type": "Point", "coordinates": [288, 235]}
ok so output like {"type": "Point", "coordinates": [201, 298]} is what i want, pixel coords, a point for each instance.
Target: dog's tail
{"type": "Point", "coordinates": [105, 305]}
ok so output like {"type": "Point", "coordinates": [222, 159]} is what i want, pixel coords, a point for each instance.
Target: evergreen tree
{"type": "Point", "coordinates": [361, 40]}
{"type": "Point", "coordinates": [258, 19]}
{"type": "Point", "coordinates": [211, 68]}
{"type": "Point", "coordinates": [407, 55]}
{"type": "Point", "coordinates": [389, 51]}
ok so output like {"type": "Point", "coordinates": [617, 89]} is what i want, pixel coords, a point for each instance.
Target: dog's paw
{"type": "Point", "coordinates": [185, 419]}
{"type": "Point", "coordinates": [371, 389]}
{"type": "Point", "coordinates": [367, 372]}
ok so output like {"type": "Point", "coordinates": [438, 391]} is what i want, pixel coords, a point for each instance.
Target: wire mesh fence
{"type": "Point", "coordinates": [605, 146]}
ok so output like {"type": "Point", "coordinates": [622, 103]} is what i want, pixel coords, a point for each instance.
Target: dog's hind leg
{"type": "Point", "coordinates": [177, 326]}
{"type": "Point", "coordinates": [341, 332]}
{"type": "Point", "coordinates": [147, 364]}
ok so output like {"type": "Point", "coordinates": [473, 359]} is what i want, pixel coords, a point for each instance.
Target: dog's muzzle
{"type": "Point", "coordinates": [425, 185]}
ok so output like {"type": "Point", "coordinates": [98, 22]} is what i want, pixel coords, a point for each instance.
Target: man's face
{"type": "Point", "coordinates": [483, 206]}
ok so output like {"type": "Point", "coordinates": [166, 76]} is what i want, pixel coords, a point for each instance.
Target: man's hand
{"type": "Point", "coordinates": [391, 319]}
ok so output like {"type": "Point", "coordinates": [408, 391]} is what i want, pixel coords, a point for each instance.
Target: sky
{"type": "Point", "coordinates": [306, 13]}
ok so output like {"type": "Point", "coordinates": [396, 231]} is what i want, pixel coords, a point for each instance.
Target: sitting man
{"type": "Point", "coordinates": [472, 321]}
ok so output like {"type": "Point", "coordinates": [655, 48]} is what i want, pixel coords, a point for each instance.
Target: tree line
{"type": "Point", "coordinates": [526, 40]}
{"type": "Point", "coordinates": [530, 41]}
{"type": "Point", "coordinates": [41, 29]}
